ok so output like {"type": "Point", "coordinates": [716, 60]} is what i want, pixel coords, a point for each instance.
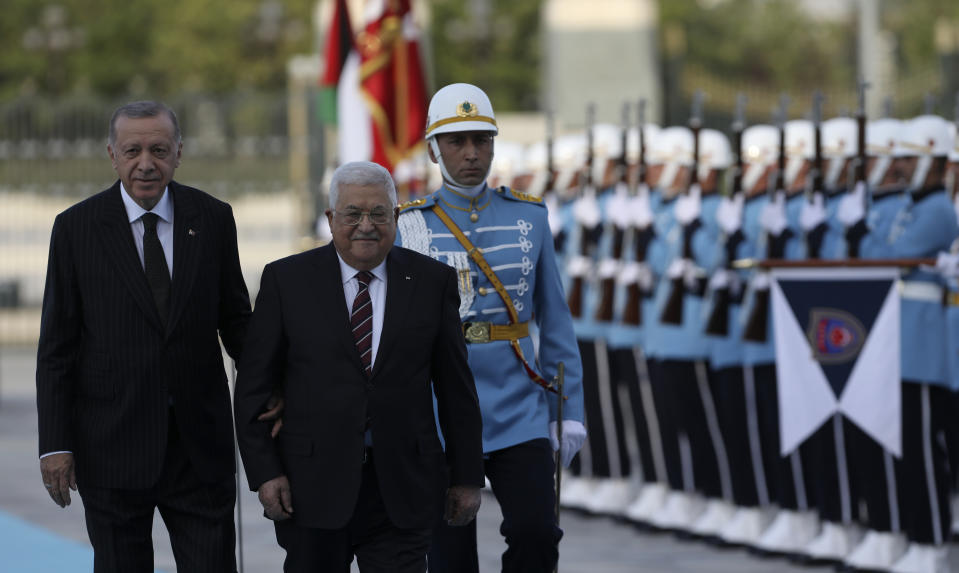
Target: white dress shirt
{"type": "Point", "coordinates": [377, 289]}
{"type": "Point", "coordinates": [163, 209]}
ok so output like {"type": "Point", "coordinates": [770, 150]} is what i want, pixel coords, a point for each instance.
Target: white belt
{"type": "Point", "coordinates": [920, 290]}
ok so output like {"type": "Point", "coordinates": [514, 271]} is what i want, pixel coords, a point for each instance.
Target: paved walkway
{"type": "Point", "coordinates": [37, 536]}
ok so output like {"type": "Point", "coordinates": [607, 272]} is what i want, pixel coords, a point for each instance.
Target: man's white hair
{"type": "Point", "coordinates": [363, 173]}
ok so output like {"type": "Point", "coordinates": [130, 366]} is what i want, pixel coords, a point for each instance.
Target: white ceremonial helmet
{"type": "Point", "coordinates": [760, 149]}
{"type": "Point", "coordinates": [673, 150]}
{"type": "Point", "coordinates": [800, 148]}
{"type": "Point", "coordinates": [840, 141]}
{"type": "Point", "coordinates": [925, 137]}
{"type": "Point", "coordinates": [607, 149]}
{"type": "Point", "coordinates": [650, 132]}
{"type": "Point", "coordinates": [714, 151]}
{"type": "Point", "coordinates": [507, 163]}
{"type": "Point", "coordinates": [536, 158]}
{"type": "Point", "coordinates": [569, 156]}
{"type": "Point", "coordinates": [456, 108]}
{"type": "Point", "coordinates": [882, 144]}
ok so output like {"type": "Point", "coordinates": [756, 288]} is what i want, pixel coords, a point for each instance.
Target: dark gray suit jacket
{"type": "Point", "coordinates": [300, 340]}
{"type": "Point", "coordinates": [107, 368]}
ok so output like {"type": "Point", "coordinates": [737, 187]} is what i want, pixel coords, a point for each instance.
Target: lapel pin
{"type": "Point", "coordinates": [191, 232]}
{"type": "Point", "coordinates": [408, 277]}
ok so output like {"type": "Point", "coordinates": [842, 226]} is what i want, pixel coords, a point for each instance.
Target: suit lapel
{"type": "Point", "coordinates": [187, 237]}
{"type": "Point", "coordinates": [117, 240]}
{"type": "Point", "coordinates": [328, 280]}
{"type": "Point", "coordinates": [400, 286]}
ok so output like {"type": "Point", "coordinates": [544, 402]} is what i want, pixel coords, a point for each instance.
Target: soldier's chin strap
{"type": "Point", "coordinates": [448, 180]}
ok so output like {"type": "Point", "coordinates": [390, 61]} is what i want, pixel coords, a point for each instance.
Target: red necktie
{"type": "Point", "coordinates": [361, 321]}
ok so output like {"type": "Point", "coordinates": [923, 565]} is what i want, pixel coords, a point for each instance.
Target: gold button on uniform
{"type": "Point", "coordinates": [481, 290]}
{"type": "Point", "coordinates": [474, 217]}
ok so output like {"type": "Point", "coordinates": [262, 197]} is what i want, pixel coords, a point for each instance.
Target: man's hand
{"type": "Point", "coordinates": [59, 477]}
{"type": "Point", "coordinates": [276, 499]}
{"type": "Point", "coordinates": [462, 503]}
{"type": "Point", "coordinates": [574, 434]}
{"type": "Point", "coordinates": [274, 408]}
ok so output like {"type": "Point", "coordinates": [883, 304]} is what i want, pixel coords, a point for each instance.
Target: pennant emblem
{"type": "Point", "coordinates": [835, 336]}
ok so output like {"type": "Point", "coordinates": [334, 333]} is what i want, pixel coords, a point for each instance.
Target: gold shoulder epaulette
{"type": "Point", "coordinates": [411, 204]}
{"type": "Point", "coordinates": [525, 196]}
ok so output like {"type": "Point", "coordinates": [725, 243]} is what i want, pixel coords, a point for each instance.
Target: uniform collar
{"type": "Point", "coordinates": [462, 202]}
{"type": "Point", "coordinates": [163, 208]}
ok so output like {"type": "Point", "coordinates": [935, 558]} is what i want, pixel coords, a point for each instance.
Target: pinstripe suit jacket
{"type": "Point", "coordinates": [106, 367]}
{"type": "Point", "coordinates": [300, 340]}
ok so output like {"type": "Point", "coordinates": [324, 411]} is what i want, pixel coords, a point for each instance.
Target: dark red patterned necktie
{"type": "Point", "coordinates": [361, 321]}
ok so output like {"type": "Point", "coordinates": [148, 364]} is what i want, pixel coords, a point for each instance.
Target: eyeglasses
{"type": "Point", "coordinates": [353, 217]}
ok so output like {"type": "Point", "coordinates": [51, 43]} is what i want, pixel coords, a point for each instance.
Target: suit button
{"type": "Point", "coordinates": [369, 387]}
{"type": "Point", "coordinates": [482, 291]}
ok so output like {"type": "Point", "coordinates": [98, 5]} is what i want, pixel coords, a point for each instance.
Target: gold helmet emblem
{"type": "Point", "coordinates": [467, 109]}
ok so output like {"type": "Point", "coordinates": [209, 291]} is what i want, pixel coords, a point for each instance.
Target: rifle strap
{"type": "Point", "coordinates": [480, 261]}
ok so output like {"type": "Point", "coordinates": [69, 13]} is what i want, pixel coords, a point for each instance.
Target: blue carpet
{"type": "Point", "coordinates": [27, 548]}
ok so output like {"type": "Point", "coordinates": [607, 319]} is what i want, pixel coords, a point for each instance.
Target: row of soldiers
{"type": "Point", "coordinates": [676, 341]}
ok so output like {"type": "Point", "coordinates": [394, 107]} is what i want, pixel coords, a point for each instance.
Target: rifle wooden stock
{"type": "Point", "coordinates": [575, 301]}
{"type": "Point", "coordinates": [673, 311]}
{"type": "Point", "coordinates": [718, 322]}
{"type": "Point", "coordinates": [756, 324]}
{"type": "Point", "coordinates": [604, 311]}
{"type": "Point", "coordinates": [633, 311]}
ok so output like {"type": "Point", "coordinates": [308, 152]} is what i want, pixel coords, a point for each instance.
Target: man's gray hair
{"type": "Point", "coordinates": [140, 109]}
{"type": "Point", "coordinates": [362, 173]}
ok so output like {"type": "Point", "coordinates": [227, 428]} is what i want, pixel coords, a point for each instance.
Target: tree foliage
{"type": "Point", "coordinates": [156, 47]}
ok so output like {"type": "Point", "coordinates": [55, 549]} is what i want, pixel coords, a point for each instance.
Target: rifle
{"type": "Point", "coordinates": [673, 311]}
{"type": "Point", "coordinates": [550, 196]}
{"type": "Point", "coordinates": [633, 311]}
{"type": "Point", "coordinates": [854, 236]}
{"type": "Point", "coordinates": [814, 237]}
{"type": "Point", "coordinates": [604, 311]}
{"type": "Point", "coordinates": [588, 237]}
{"type": "Point", "coordinates": [758, 320]}
{"type": "Point", "coordinates": [718, 322]}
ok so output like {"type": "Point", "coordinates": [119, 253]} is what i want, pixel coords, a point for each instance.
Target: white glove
{"type": "Point", "coordinates": [640, 209]}
{"type": "Point", "coordinates": [608, 268]}
{"type": "Point", "coordinates": [688, 206]}
{"type": "Point", "coordinates": [617, 208]}
{"type": "Point", "coordinates": [579, 266]}
{"type": "Point", "coordinates": [773, 216]}
{"type": "Point", "coordinates": [634, 272]}
{"type": "Point", "coordinates": [574, 434]}
{"type": "Point", "coordinates": [852, 207]}
{"type": "Point", "coordinates": [948, 265]}
{"type": "Point", "coordinates": [719, 280]}
{"type": "Point", "coordinates": [812, 213]}
{"type": "Point", "coordinates": [760, 281]}
{"type": "Point", "coordinates": [586, 210]}
{"type": "Point", "coordinates": [729, 214]}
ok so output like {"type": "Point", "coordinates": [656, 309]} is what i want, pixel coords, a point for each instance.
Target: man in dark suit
{"type": "Point", "coordinates": [132, 397]}
{"type": "Point", "coordinates": [354, 333]}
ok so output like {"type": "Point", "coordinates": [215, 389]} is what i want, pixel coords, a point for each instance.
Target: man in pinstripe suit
{"type": "Point", "coordinates": [133, 402]}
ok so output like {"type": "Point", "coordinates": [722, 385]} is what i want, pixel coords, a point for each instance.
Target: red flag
{"type": "Point", "coordinates": [392, 83]}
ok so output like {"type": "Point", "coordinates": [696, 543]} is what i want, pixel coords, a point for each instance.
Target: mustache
{"type": "Point", "coordinates": [371, 236]}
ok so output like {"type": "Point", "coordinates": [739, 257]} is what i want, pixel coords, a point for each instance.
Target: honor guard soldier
{"type": "Point", "coordinates": [924, 226]}
{"type": "Point", "coordinates": [685, 236]}
{"type": "Point", "coordinates": [873, 468]}
{"type": "Point", "coordinates": [498, 241]}
{"type": "Point", "coordinates": [605, 410]}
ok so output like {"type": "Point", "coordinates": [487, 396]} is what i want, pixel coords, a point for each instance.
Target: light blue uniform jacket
{"type": "Point", "coordinates": [513, 234]}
